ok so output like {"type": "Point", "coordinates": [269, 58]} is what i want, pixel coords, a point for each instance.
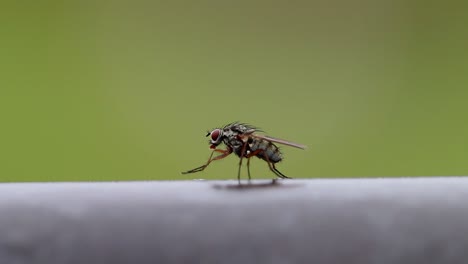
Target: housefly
{"type": "Point", "coordinates": [245, 141]}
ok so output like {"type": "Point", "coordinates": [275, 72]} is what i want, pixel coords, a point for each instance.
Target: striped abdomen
{"type": "Point", "coordinates": [270, 150]}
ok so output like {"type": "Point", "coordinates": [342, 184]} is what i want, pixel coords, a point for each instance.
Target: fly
{"type": "Point", "coordinates": [245, 142]}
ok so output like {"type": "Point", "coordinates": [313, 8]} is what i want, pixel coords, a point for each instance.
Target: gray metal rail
{"type": "Point", "coordinates": [405, 220]}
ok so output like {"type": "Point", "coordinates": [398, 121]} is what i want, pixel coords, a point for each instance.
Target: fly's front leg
{"type": "Point", "coordinates": [224, 154]}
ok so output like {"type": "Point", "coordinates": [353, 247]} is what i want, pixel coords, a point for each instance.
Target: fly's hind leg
{"type": "Point", "coordinates": [270, 165]}
{"type": "Point", "coordinates": [274, 169]}
{"type": "Point", "coordinates": [277, 172]}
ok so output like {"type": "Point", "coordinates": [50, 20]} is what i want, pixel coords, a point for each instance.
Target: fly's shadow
{"type": "Point", "coordinates": [274, 183]}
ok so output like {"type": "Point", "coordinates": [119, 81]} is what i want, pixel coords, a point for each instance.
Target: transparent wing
{"type": "Point", "coordinates": [279, 141]}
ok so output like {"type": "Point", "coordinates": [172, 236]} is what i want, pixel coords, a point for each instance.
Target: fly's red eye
{"type": "Point", "coordinates": [215, 134]}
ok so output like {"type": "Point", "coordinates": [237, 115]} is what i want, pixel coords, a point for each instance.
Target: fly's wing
{"type": "Point", "coordinates": [279, 141]}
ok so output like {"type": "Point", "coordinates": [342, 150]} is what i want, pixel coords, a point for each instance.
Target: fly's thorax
{"type": "Point", "coordinates": [234, 135]}
{"type": "Point", "coordinates": [229, 133]}
{"type": "Point", "coordinates": [240, 128]}
{"type": "Point", "coordinates": [233, 142]}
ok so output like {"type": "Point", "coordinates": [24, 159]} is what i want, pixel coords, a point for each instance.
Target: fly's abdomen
{"type": "Point", "coordinates": [268, 150]}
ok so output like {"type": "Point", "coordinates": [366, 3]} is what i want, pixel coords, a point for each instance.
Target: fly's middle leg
{"type": "Point", "coordinates": [249, 156]}
{"type": "Point", "coordinates": [248, 168]}
{"type": "Point", "coordinates": [244, 148]}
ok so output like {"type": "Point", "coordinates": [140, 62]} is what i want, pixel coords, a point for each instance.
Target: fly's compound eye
{"type": "Point", "coordinates": [215, 134]}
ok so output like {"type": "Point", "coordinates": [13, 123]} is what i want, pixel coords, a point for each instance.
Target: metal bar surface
{"type": "Point", "coordinates": [383, 220]}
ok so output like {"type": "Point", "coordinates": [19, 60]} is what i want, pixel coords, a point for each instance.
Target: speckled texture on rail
{"type": "Point", "coordinates": [404, 220]}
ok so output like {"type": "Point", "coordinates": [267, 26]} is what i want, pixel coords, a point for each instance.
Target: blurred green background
{"type": "Point", "coordinates": [125, 90]}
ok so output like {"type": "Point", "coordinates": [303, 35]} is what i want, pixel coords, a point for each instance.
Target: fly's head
{"type": "Point", "coordinates": [216, 137]}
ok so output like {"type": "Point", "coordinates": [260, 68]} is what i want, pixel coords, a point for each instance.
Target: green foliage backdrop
{"type": "Point", "coordinates": [125, 90]}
